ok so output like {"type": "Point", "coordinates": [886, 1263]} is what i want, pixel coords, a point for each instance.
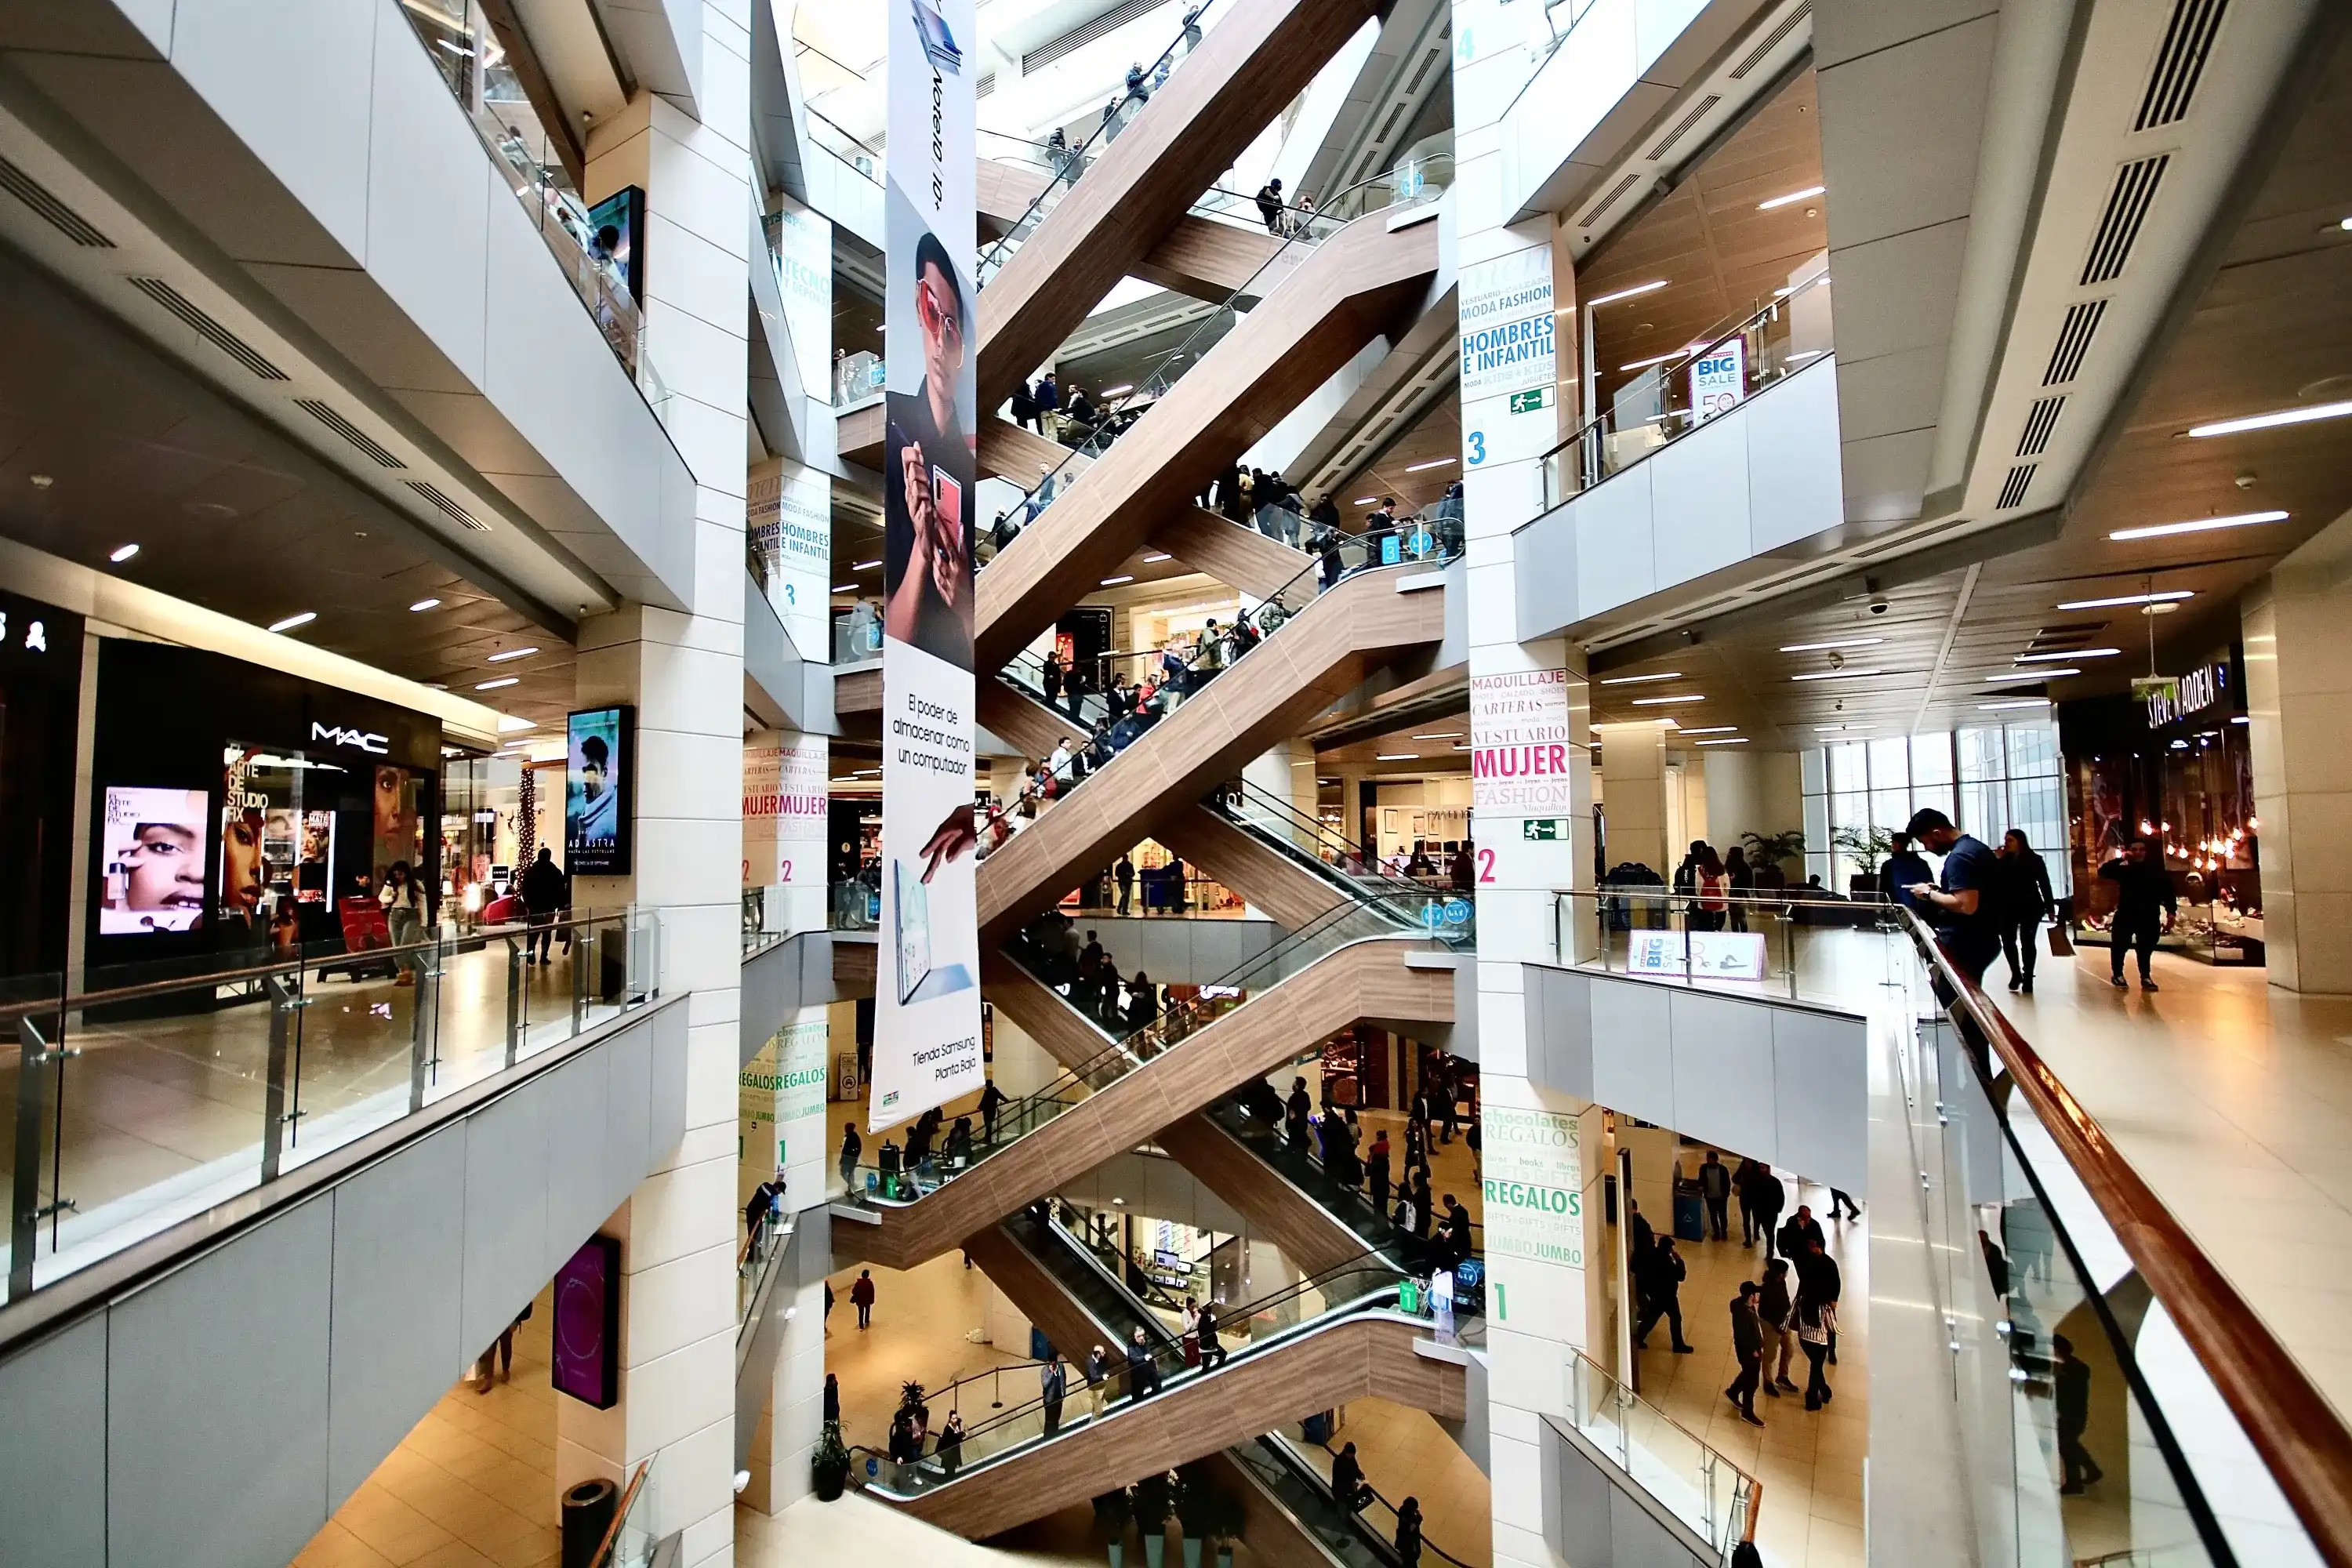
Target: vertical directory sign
{"type": "Point", "coordinates": [927, 1046]}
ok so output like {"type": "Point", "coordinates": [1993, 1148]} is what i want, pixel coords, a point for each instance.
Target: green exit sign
{"type": "Point", "coordinates": [1534, 398]}
{"type": "Point", "coordinates": [1549, 827]}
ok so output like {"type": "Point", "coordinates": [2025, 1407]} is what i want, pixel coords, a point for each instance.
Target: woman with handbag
{"type": "Point", "coordinates": [2025, 899]}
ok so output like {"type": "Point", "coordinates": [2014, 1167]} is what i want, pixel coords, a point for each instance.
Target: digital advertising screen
{"type": "Point", "coordinates": [596, 804]}
{"type": "Point", "coordinates": [587, 1334]}
{"type": "Point", "coordinates": [154, 851]}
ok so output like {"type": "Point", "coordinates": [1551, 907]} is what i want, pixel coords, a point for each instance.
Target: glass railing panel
{"type": "Point", "coordinates": [1296, 1485]}
{"type": "Point", "coordinates": [152, 1092]}
{"type": "Point", "coordinates": [857, 379]}
{"type": "Point", "coordinates": [1792, 942]}
{"type": "Point", "coordinates": [856, 638]}
{"type": "Point", "coordinates": [1732, 365]}
{"type": "Point", "coordinates": [1696, 1484]}
{"type": "Point", "coordinates": [631, 1543]}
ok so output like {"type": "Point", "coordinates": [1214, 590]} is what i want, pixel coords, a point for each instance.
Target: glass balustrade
{"type": "Point", "coordinates": [1698, 1485]}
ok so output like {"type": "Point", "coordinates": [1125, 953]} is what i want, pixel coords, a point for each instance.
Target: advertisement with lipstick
{"type": "Point", "coordinates": [154, 852]}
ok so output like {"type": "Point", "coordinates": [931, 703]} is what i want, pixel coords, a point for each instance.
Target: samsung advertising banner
{"type": "Point", "coordinates": [927, 1046]}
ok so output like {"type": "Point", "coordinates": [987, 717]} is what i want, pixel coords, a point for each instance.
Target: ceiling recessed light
{"type": "Point", "coordinates": [1627, 293]}
{"type": "Point", "coordinates": [865, 565]}
{"type": "Point", "coordinates": [1710, 729]}
{"type": "Point", "coordinates": [1364, 501]}
{"type": "Point", "coordinates": [1432, 463]}
{"type": "Point", "coordinates": [2014, 702]}
{"type": "Point", "coordinates": [1734, 740]}
{"type": "Point", "coordinates": [2240, 719]}
{"type": "Point", "coordinates": [123, 553]}
{"type": "Point", "coordinates": [1836, 674]}
{"type": "Point", "coordinates": [1791, 196]}
{"type": "Point", "coordinates": [2270, 420]}
{"type": "Point", "coordinates": [1397, 757]}
{"type": "Point", "coordinates": [1637, 680]}
{"type": "Point", "coordinates": [1663, 701]}
{"type": "Point", "coordinates": [502, 681]}
{"type": "Point", "coordinates": [1115, 582]}
{"type": "Point", "coordinates": [1439, 735]}
{"type": "Point", "coordinates": [423, 604]}
{"type": "Point", "coordinates": [2033, 674]}
{"type": "Point", "coordinates": [1156, 557]}
{"type": "Point", "coordinates": [2059, 658]}
{"type": "Point", "coordinates": [511, 653]}
{"type": "Point", "coordinates": [290, 622]}
{"type": "Point", "coordinates": [1842, 642]}
{"type": "Point", "coordinates": [2167, 597]}
{"type": "Point", "coordinates": [2198, 525]}
{"type": "Point", "coordinates": [43, 481]}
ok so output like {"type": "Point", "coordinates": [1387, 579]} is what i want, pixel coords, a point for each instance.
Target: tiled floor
{"type": "Point", "coordinates": [925, 1318]}
{"type": "Point", "coordinates": [471, 1486]}
{"type": "Point", "coordinates": [1810, 1462]}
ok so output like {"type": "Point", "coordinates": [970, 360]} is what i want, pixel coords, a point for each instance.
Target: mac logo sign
{"type": "Point", "coordinates": [359, 739]}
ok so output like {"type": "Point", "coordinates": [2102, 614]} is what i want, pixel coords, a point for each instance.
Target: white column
{"type": "Point", "coordinates": [1633, 782]}
{"type": "Point", "coordinates": [682, 667]}
{"type": "Point", "coordinates": [2298, 640]}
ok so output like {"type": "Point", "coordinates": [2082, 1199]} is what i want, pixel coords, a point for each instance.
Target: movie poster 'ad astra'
{"type": "Point", "coordinates": [926, 1044]}
{"type": "Point", "coordinates": [1519, 747]}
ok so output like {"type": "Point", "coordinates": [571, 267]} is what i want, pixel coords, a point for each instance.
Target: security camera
{"type": "Point", "coordinates": [1877, 606]}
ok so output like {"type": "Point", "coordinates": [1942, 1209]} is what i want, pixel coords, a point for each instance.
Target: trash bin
{"type": "Point", "coordinates": [587, 1515]}
{"type": "Point", "coordinates": [1316, 1428]}
{"type": "Point", "coordinates": [1690, 1216]}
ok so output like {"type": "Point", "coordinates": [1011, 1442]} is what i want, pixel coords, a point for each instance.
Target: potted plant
{"type": "Point", "coordinates": [1774, 849]}
{"type": "Point", "coordinates": [1152, 1504]}
{"type": "Point", "coordinates": [1196, 1508]}
{"type": "Point", "coordinates": [1111, 1514]}
{"type": "Point", "coordinates": [1865, 848]}
{"type": "Point", "coordinates": [1231, 1519]}
{"type": "Point", "coordinates": [829, 1466]}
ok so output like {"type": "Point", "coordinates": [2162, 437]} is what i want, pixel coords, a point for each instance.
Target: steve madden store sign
{"type": "Point", "coordinates": [366, 741]}
{"type": "Point", "coordinates": [2173, 697]}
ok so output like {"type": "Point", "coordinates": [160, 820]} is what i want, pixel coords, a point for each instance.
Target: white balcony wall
{"type": "Point", "coordinates": [1751, 482]}
{"type": "Point", "coordinates": [1598, 65]}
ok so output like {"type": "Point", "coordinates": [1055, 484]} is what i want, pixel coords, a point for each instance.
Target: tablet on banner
{"type": "Point", "coordinates": [927, 1024]}
{"type": "Point", "coordinates": [1700, 954]}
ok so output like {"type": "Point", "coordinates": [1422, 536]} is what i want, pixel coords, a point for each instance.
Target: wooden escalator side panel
{"type": "Point", "coordinates": [1041, 1014]}
{"type": "Point", "coordinates": [1360, 1358]}
{"type": "Point", "coordinates": [1258, 58]}
{"type": "Point", "coordinates": [1293, 896]}
{"type": "Point", "coordinates": [1366, 980]}
{"type": "Point", "coordinates": [1233, 553]}
{"type": "Point", "coordinates": [1342, 295]}
{"type": "Point", "coordinates": [1028, 1285]}
{"type": "Point", "coordinates": [1277, 1211]}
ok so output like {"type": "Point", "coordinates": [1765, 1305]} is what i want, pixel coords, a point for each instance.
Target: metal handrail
{"type": "Point", "coordinates": [612, 1539]}
{"type": "Point", "coordinates": [2302, 1440]}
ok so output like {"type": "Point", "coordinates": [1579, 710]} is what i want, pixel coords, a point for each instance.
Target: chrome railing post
{"type": "Point", "coordinates": [425, 1027]}
{"type": "Point", "coordinates": [35, 1103]}
{"type": "Point", "coordinates": [279, 1096]}
{"type": "Point", "coordinates": [584, 955]}
{"type": "Point", "coordinates": [514, 1000]}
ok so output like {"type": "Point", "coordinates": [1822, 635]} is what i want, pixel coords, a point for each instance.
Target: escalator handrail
{"type": "Point", "coordinates": [1374, 873]}
{"type": "Point", "coordinates": [1322, 1173]}
{"type": "Point", "coordinates": [1282, 1446]}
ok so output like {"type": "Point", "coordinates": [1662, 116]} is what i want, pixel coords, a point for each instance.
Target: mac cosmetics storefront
{"type": "Point", "coordinates": [234, 808]}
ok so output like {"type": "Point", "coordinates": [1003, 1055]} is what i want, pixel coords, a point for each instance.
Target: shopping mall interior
{"type": "Point", "coordinates": [1708, 933]}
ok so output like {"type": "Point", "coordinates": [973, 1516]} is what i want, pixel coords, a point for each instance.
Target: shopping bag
{"type": "Point", "coordinates": [2060, 946]}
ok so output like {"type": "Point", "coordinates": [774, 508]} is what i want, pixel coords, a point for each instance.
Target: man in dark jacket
{"type": "Point", "coordinates": [2070, 1385]}
{"type": "Point", "coordinates": [2145, 907]}
{"type": "Point", "coordinates": [1269, 205]}
{"type": "Point", "coordinates": [1748, 1347]}
{"type": "Point", "coordinates": [1714, 1186]}
{"type": "Point", "coordinates": [1664, 1296]}
{"type": "Point", "coordinates": [1802, 1232]}
{"type": "Point", "coordinates": [1760, 1198]}
{"type": "Point", "coordinates": [545, 890]}
{"type": "Point", "coordinates": [1903, 867]}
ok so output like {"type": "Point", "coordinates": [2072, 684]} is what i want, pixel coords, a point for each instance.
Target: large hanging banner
{"type": "Point", "coordinates": [926, 1048]}
{"type": "Point", "coordinates": [804, 278]}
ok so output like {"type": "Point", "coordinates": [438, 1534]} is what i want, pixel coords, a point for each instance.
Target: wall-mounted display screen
{"type": "Point", "coordinates": [153, 850]}
{"type": "Point", "coordinates": [587, 1352]}
{"type": "Point", "coordinates": [596, 804]}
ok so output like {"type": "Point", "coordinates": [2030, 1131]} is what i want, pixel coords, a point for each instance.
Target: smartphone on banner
{"type": "Point", "coordinates": [947, 506]}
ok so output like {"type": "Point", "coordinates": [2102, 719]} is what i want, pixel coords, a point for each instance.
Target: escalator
{"type": "Point", "coordinates": [1363, 1537]}
{"type": "Point", "coordinates": [1354, 966]}
{"type": "Point", "coordinates": [1321, 648]}
{"type": "Point", "coordinates": [1241, 373]}
{"type": "Point", "coordinates": [1336, 1336]}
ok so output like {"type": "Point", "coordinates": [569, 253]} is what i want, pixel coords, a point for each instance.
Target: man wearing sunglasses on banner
{"type": "Point", "coordinates": [927, 478]}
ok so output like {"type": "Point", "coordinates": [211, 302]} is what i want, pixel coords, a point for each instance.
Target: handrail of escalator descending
{"type": "Point", "coordinates": [1350, 1289]}
{"type": "Point", "coordinates": [1274, 1455]}
{"type": "Point", "coordinates": [1301, 837]}
{"type": "Point", "coordinates": [877, 1187]}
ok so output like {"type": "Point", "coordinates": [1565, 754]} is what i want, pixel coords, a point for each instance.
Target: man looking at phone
{"type": "Point", "coordinates": [928, 474]}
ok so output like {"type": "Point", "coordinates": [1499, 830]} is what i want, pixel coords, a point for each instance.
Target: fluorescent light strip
{"type": "Point", "coordinates": [503, 681]}
{"type": "Point", "coordinates": [510, 654]}
{"type": "Point", "coordinates": [1663, 701]}
{"type": "Point", "coordinates": [1115, 582]}
{"type": "Point", "coordinates": [844, 587]}
{"type": "Point", "coordinates": [422, 604]}
{"type": "Point", "coordinates": [1626, 294]}
{"type": "Point", "coordinates": [2201, 526]}
{"type": "Point", "coordinates": [2033, 674]}
{"type": "Point", "coordinates": [1829, 728]}
{"type": "Point", "coordinates": [2273, 419]}
{"type": "Point", "coordinates": [865, 565]}
{"type": "Point", "coordinates": [1710, 729]}
{"type": "Point", "coordinates": [1432, 463]}
{"type": "Point", "coordinates": [1836, 674]}
{"type": "Point", "coordinates": [1441, 735]}
{"type": "Point", "coordinates": [1156, 557]}
{"type": "Point", "coordinates": [2169, 596]}
{"type": "Point", "coordinates": [2018, 702]}
{"type": "Point", "coordinates": [1364, 501]}
{"type": "Point", "coordinates": [290, 622]}
{"type": "Point", "coordinates": [1791, 196]}
{"type": "Point", "coordinates": [1115, 391]}
{"type": "Point", "coordinates": [509, 723]}
{"type": "Point", "coordinates": [1842, 642]}
{"type": "Point", "coordinates": [1735, 741]}
{"type": "Point", "coordinates": [2059, 658]}
{"type": "Point", "coordinates": [1637, 680]}
{"type": "Point", "coordinates": [1396, 756]}
{"type": "Point", "coordinates": [121, 553]}
{"type": "Point", "coordinates": [1661, 359]}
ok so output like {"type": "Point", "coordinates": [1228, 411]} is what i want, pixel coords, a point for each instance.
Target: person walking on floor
{"type": "Point", "coordinates": [2070, 1383]}
{"type": "Point", "coordinates": [1818, 1272]}
{"type": "Point", "coordinates": [501, 1351]}
{"type": "Point", "coordinates": [2146, 907]}
{"type": "Point", "coordinates": [1760, 1200]}
{"type": "Point", "coordinates": [1748, 1347]}
{"type": "Point", "coordinates": [1964, 909]}
{"type": "Point", "coordinates": [2025, 899]}
{"type": "Point", "coordinates": [861, 1296]}
{"type": "Point", "coordinates": [852, 1145]}
{"type": "Point", "coordinates": [1714, 1186]}
{"type": "Point", "coordinates": [1775, 1310]}
{"type": "Point", "coordinates": [1816, 1320]}
{"type": "Point", "coordinates": [1840, 1201]}
{"type": "Point", "coordinates": [1124, 875]}
{"type": "Point", "coordinates": [832, 1399]}
{"type": "Point", "coordinates": [1663, 1297]}
{"type": "Point", "coordinates": [1052, 1382]}
{"type": "Point", "coordinates": [545, 890]}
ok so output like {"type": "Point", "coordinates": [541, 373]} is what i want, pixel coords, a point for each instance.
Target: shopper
{"type": "Point", "coordinates": [2025, 900]}
{"type": "Point", "coordinates": [852, 1145]}
{"type": "Point", "coordinates": [1903, 868]}
{"type": "Point", "coordinates": [1801, 1233]}
{"type": "Point", "coordinates": [1662, 1294]}
{"type": "Point", "coordinates": [861, 1296]}
{"type": "Point", "coordinates": [1818, 1275]}
{"type": "Point", "coordinates": [1408, 1533]}
{"type": "Point", "coordinates": [1376, 1169]}
{"type": "Point", "coordinates": [1760, 1200]}
{"type": "Point", "coordinates": [1097, 1371]}
{"type": "Point", "coordinates": [1458, 1242]}
{"type": "Point", "coordinates": [2070, 1383]}
{"type": "Point", "coordinates": [1052, 1382]}
{"type": "Point", "coordinates": [1050, 676]}
{"type": "Point", "coordinates": [1775, 1310]}
{"type": "Point", "coordinates": [1348, 1488]}
{"type": "Point", "coordinates": [545, 890]}
{"type": "Point", "coordinates": [404, 916]}
{"type": "Point", "coordinates": [501, 1352]}
{"type": "Point", "coordinates": [1269, 205]}
{"type": "Point", "coordinates": [1748, 1349]}
{"type": "Point", "coordinates": [993, 1099]}
{"type": "Point", "coordinates": [832, 1416]}
{"type": "Point", "coordinates": [1741, 879]}
{"type": "Point", "coordinates": [1964, 908]}
{"type": "Point", "coordinates": [1815, 1318]}
{"type": "Point", "coordinates": [1142, 1370]}
{"type": "Point", "coordinates": [950, 1447]}
{"type": "Point", "coordinates": [1842, 1205]}
{"type": "Point", "coordinates": [1212, 1353]}
{"type": "Point", "coordinates": [1713, 886]}
{"type": "Point", "coordinates": [1714, 1186]}
{"type": "Point", "coordinates": [2146, 907]}
{"type": "Point", "coordinates": [1124, 875]}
